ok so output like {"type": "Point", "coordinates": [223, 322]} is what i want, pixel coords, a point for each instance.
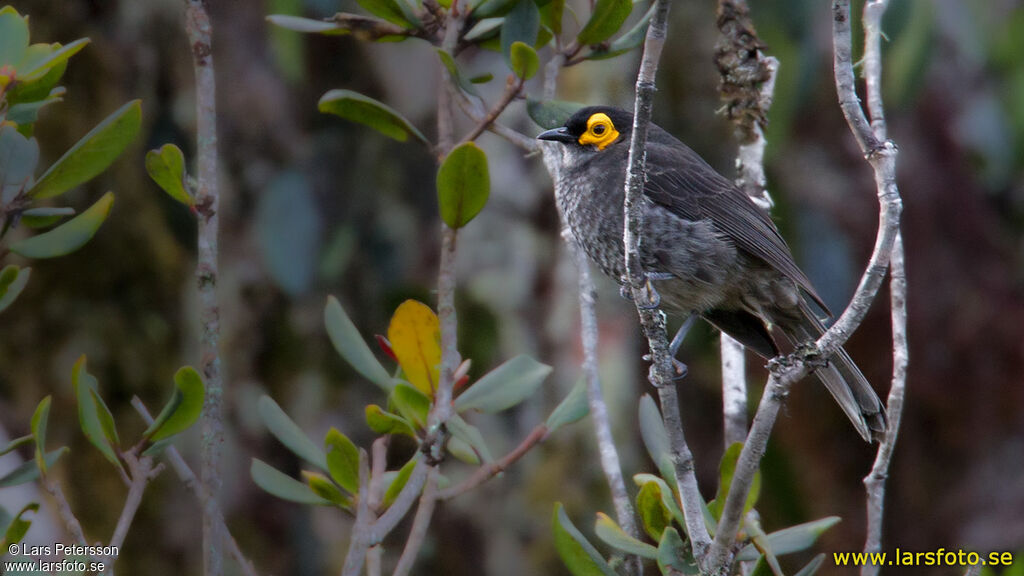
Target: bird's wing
{"type": "Point", "coordinates": [683, 182]}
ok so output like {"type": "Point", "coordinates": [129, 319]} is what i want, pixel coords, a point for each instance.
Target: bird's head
{"type": "Point", "coordinates": [594, 128]}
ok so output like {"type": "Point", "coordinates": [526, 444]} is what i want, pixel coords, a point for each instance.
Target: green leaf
{"type": "Point", "coordinates": [36, 68]}
{"type": "Point", "coordinates": [288, 433]}
{"type": "Point", "coordinates": [342, 460]}
{"type": "Point", "coordinates": [184, 407]}
{"type": "Point", "coordinates": [792, 539]}
{"type": "Point", "coordinates": [463, 185]}
{"type": "Point", "coordinates": [27, 113]}
{"type": "Point", "coordinates": [92, 154]}
{"type": "Point", "coordinates": [606, 19]}
{"type": "Point", "coordinates": [356, 107]}
{"type": "Point", "coordinates": [17, 443]}
{"type": "Point", "coordinates": [628, 41]}
{"type": "Point", "coordinates": [39, 422]}
{"type": "Point", "coordinates": [655, 437]}
{"type": "Point", "coordinates": [388, 10]}
{"type": "Point", "coordinates": [726, 471]}
{"type": "Point", "coordinates": [69, 236]}
{"type": "Point", "coordinates": [166, 167]}
{"type": "Point", "coordinates": [488, 9]}
{"type": "Point", "coordinates": [462, 450]}
{"type": "Point", "coordinates": [13, 36]}
{"type": "Point", "coordinates": [470, 435]}
{"type": "Point", "coordinates": [550, 114]}
{"type": "Point", "coordinates": [484, 29]}
{"type": "Point", "coordinates": [157, 449]}
{"type": "Point", "coordinates": [524, 60]}
{"type": "Point", "coordinates": [674, 554]}
{"type": "Point", "coordinates": [12, 281]}
{"type": "Point", "coordinates": [812, 567]}
{"type": "Point", "coordinates": [106, 419]}
{"type": "Point", "coordinates": [654, 515]}
{"type": "Point", "coordinates": [84, 384]}
{"type": "Point", "coordinates": [551, 16]}
{"type": "Point", "coordinates": [572, 408]}
{"type": "Point", "coordinates": [18, 158]}
{"type": "Point", "coordinates": [412, 404]}
{"type": "Point", "coordinates": [351, 346]}
{"type": "Point", "coordinates": [324, 488]}
{"type": "Point", "coordinates": [610, 532]}
{"type": "Point", "coordinates": [401, 479]}
{"type": "Point", "coordinates": [306, 25]}
{"type": "Point", "coordinates": [482, 79]}
{"type": "Point", "coordinates": [383, 422]}
{"type": "Point", "coordinates": [522, 24]}
{"type": "Point", "coordinates": [44, 217]}
{"type": "Point", "coordinates": [18, 526]}
{"type": "Point", "coordinates": [668, 498]}
{"type": "Point", "coordinates": [283, 486]}
{"type": "Point", "coordinates": [505, 386]}
{"type": "Point", "coordinates": [28, 471]}
{"type": "Point", "coordinates": [578, 555]}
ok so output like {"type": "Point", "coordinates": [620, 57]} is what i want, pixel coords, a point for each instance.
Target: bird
{"type": "Point", "coordinates": [707, 248]}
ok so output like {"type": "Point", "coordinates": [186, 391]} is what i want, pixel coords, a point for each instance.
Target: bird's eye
{"type": "Point", "coordinates": [599, 129]}
{"type": "Point", "coordinates": [600, 132]}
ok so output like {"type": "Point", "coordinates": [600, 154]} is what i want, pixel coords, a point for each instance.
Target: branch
{"type": "Point", "coordinates": [652, 321]}
{"type": "Point", "coordinates": [512, 88]}
{"type": "Point", "coordinates": [71, 523]}
{"type": "Point", "coordinates": [141, 470]}
{"type": "Point", "coordinates": [787, 370]}
{"type": "Point", "coordinates": [419, 526]}
{"type": "Point", "coordinates": [198, 29]}
{"type": "Point", "coordinates": [185, 474]}
{"type": "Point", "coordinates": [476, 112]}
{"type": "Point", "coordinates": [359, 542]}
{"type": "Point", "coordinates": [492, 469]}
{"type": "Point", "coordinates": [403, 502]}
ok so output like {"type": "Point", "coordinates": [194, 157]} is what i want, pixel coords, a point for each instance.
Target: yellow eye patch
{"type": "Point", "coordinates": [600, 131]}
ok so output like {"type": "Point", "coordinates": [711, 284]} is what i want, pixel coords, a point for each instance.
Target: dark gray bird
{"type": "Point", "coordinates": [707, 247]}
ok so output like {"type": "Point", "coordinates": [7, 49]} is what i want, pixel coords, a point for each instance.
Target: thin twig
{"type": "Point", "coordinates": [492, 469]}
{"type": "Point", "coordinates": [359, 541]}
{"type": "Point", "coordinates": [141, 470]}
{"type": "Point", "coordinates": [185, 474]}
{"type": "Point", "coordinates": [71, 523]}
{"type": "Point", "coordinates": [784, 372]}
{"type": "Point", "coordinates": [400, 507]}
{"type": "Point", "coordinates": [420, 524]}
{"type": "Point", "coordinates": [378, 465]}
{"type": "Point", "coordinates": [476, 112]}
{"type": "Point", "coordinates": [512, 88]}
{"type": "Point", "coordinates": [662, 372]}
{"type": "Point", "coordinates": [198, 29]}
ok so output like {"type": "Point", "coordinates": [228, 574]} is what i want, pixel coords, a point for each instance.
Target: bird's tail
{"type": "Point", "coordinates": [842, 378]}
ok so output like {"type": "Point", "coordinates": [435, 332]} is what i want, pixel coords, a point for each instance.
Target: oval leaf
{"type": "Point", "coordinates": [401, 479]}
{"type": "Point", "coordinates": [415, 336]}
{"type": "Point", "coordinates": [15, 530]}
{"type": "Point", "coordinates": [92, 154]}
{"type": "Point", "coordinates": [654, 515]}
{"type": "Point", "coordinates": [668, 499]}
{"type": "Point", "coordinates": [355, 107]}
{"type": "Point", "coordinates": [386, 9]}
{"type": "Point", "coordinates": [411, 403]}
{"type": "Point", "coordinates": [39, 421]}
{"type": "Point", "coordinates": [550, 114]}
{"type": "Point", "coordinates": [572, 408]}
{"type": "Point", "coordinates": [13, 36]}
{"type": "Point", "coordinates": [578, 555]}
{"type": "Point", "coordinates": [505, 386]}
{"type": "Point", "coordinates": [183, 409]}
{"type": "Point", "coordinates": [655, 437]}
{"type": "Point", "coordinates": [166, 167]}
{"type": "Point", "coordinates": [69, 236]}
{"type": "Point", "coordinates": [16, 443]}
{"type": "Point", "coordinates": [524, 60]}
{"type": "Point", "coordinates": [726, 470]}
{"type": "Point", "coordinates": [84, 386]}
{"type": "Point", "coordinates": [628, 41]}
{"type": "Point", "coordinates": [323, 487]}
{"type": "Point", "coordinates": [463, 185]}
{"type": "Point", "coordinates": [288, 433]}
{"type": "Point", "coordinates": [12, 281]}
{"type": "Point", "coordinates": [605, 21]}
{"type": "Point", "coordinates": [307, 25]}
{"type": "Point", "coordinates": [609, 532]}
{"type": "Point", "coordinates": [282, 485]}
{"type": "Point", "coordinates": [383, 422]}
{"type": "Point", "coordinates": [44, 217]}
{"type": "Point", "coordinates": [522, 24]}
{"type": "Point", "coordinates": [342, 460]}
{"type": "Point", "coordinates": [36, 68]}
{"type": "Point", "coordinates": [471, 436]}
{"type": "Point", "coordinates": [674, 554]}
{"type": "Point", "coordinates": [347, 341]}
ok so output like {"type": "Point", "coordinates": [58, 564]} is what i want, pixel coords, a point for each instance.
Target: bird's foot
{"type": "Point", "coordinates": [679, 370]}
{"type": "Point", "coordinates": [677, 340]}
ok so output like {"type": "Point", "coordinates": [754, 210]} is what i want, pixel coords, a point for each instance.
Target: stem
{"type": "Point", "coordinates": [402, 504]}
{"type": "Point", "coordinates": [71, 523]}
{"type": "Point", "coordinates": [185, 474]}
{"type": "Point", "coordinates": [881, 154]}
{"type": "Point", "coordinates": [420, 524]}
{"type": "Point", "coordinates": [512, 88]}
{"type": "Point", "coordinates": [488, 471]}
{"type": "Point", "coordinates": [360, 540]}
{"type": "Point", "coordinates": [198, 29]}
{"type": "Point", "coordinates": [142, 471]}
{"type": "Point", "coordinates": [652, 321]}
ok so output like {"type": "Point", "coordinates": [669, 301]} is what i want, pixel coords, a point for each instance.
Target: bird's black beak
{"type": "Point", "coordinates": [557, 135]}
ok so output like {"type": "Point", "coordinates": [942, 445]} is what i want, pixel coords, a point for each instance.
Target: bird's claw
{"type": "Point", "coordinates": [679, 370]}
{"type": "Point", "coordinates": [651, 298]}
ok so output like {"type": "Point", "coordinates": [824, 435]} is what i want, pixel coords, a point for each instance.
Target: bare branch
{"type": "Point", "coordinates": [476, 112]}
{"type": "Point", "coordinates": [512, 87]}
{"type": "Point", "coordinates": [662, 372]}
{"type": "Point", "coordinates": [141, 470]}
{"type": "Point", "coordinates": [71, 523]}
{"type": "Point", "coordinates": [492, 469]}
{"type": "Point", "coordinates": [199, 31]}
{"type": "Point", "coordinates": [734, 391]}
{"type": "Point", "coordinates": [359, 542]}
{"type": "Point", "coordinates": [420, 523]}
{"type": "Point", "coordinates": [785, 371]}
{"type": "Point", "coordinates": [401, 506]}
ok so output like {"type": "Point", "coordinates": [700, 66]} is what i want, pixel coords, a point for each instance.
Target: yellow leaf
{"type": "Point", "coordinates": [415, 336]}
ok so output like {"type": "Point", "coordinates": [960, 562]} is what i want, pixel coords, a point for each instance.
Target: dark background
{"type": "Point", "coordinates": [314, 206]}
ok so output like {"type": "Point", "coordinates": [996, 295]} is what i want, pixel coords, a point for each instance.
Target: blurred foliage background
{"type": "Point", "coordinates": [315, 206]}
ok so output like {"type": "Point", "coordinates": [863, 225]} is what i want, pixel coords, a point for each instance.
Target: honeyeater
{"type": "Point", "coordinates": [706, 247]}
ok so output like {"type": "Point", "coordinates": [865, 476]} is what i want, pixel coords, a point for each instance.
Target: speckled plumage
{"type": "Point", "coordinates": [711, 249]}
